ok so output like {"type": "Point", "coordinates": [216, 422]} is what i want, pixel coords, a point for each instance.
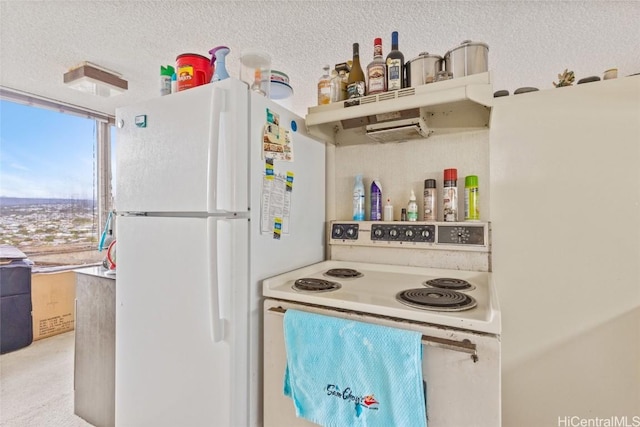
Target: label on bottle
{"type": "Point", "coordinates": [429, 204]}
{"type": "Point", "coordinates": [471, 210]}
{"type": "Point", "coordinates": [356, 90]}
{"type": "Point", "coordinates": [394, 74]}
{"type": "Point", "coordinates": [324, 92]}
{"type": "Point", "coordinates": [376, 78]}
{"type": "Point", "coordinates": [450, 204]}
{"type": "Point", "coordinates": [412, 211]}
{"type": "Point", "coordinates": [358, 205]}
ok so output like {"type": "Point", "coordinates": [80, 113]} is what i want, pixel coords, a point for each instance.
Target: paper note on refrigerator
{"type": "Point", "coordinates": [276, 205]}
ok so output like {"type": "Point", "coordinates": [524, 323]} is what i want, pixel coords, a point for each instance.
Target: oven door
{"type": "Point", "coordinates": [461, 370]}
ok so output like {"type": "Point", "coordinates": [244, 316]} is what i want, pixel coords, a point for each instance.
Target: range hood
{"type": "Point", "coordinates": [456, 105]}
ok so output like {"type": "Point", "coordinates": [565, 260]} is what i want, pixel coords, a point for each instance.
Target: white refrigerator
{"type": "Point", "coordinates": [204, 214]}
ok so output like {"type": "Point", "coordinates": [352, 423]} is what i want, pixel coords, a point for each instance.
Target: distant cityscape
{"type": "Point", "coordinates": [42, 225]}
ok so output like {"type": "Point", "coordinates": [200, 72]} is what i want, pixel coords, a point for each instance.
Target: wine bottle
{"type": "Point", "coordinates": [356, 83]}
{"type": "Point", "coordinates": [395, 65]}
{"type": "Point", "coordinates": [376, 70]}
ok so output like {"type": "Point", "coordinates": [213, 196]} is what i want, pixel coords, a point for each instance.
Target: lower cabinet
{"type": "Point", "coordinates": [94, 371]}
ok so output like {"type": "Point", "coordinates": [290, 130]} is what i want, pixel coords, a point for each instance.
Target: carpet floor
{"type": "Point", "coordinates": [36, 385]}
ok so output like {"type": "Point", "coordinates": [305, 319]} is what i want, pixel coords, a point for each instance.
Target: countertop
{"type": "Point", "coordinates": [97, 271]}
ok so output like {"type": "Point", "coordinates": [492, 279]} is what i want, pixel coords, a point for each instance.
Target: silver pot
{"type": "Point", "coordinates": [468, 58]}
{"type": "Point", "coordinates": [424, 68]}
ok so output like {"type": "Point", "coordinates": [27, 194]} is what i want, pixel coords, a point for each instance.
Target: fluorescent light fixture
{"type": "Point", "coordinates": [91, 78]}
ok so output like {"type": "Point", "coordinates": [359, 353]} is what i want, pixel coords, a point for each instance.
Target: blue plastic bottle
{"type": "Point", "coordinates": [376, 200]}
{"type": "Point", "coordinates": [218, 55]}
{"type": "Point", "coordinates": [358, 199]}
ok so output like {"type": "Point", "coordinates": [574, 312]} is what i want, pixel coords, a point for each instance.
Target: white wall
{"type": "Point", "coordinates": [565, 208]}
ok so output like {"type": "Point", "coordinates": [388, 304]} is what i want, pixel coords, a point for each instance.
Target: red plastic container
{"type": "Point", "coordinates": [192, 70]}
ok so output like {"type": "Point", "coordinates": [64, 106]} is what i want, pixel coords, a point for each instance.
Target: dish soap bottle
{"type": "Point", "coordinates": [412, 208]}
{"type": "Point", "coordinates": [358, 199]}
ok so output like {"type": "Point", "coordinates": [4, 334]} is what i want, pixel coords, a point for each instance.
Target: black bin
{"type": "Point", "coordinates": [16, 323]}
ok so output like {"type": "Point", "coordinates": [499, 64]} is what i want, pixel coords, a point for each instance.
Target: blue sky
{"type": "Point", "coordinates": [45, 153]}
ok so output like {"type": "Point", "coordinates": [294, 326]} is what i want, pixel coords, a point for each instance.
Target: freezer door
{"type": "Point", "coordinates": [181, 321]}
{"type": "Point", "coordinates": [186, 152]}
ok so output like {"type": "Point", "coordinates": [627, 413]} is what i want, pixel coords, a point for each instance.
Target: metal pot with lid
{"type": "Point", "coordinates": [468, 58]}
{"type": "Point", "coordinates": [424, 68]}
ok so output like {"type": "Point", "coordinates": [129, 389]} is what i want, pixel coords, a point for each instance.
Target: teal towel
{"type": "Point", "coordinates": [344, 373]}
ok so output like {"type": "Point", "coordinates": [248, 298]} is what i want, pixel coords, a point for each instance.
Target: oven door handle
{"type": "Point", "coordinates": [464, 346]}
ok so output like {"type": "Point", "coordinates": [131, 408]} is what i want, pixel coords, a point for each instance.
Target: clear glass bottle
{"type": "Point", "coordinates": [324, 87]}
{"type": "Point", "coordinates": [257, 82]}
{"type": "Point", "coordinates": [377, 70]}
{"type": "Point", "coordinates": [339, 83]}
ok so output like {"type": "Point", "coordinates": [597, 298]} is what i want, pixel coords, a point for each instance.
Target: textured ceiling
{"type": "Point", "coordinates": [530, 42]}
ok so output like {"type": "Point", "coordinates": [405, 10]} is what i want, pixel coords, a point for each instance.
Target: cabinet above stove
{"type": "Point", "coordinates": [451, 106]}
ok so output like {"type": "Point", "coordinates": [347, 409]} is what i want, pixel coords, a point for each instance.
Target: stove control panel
{"type": "Point", "coordinates": [403, 233]}
{"type": "Point", "coordinates": [431, 235]}
{"type": "Point", "coordinates": [344, 231]}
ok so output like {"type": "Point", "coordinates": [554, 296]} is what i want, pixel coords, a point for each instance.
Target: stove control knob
{"type": "Point", "coordinates": [378, 233]}
{"type": "Point", "coordinates": [393, 233]}
{"type": "Point", "coordinates": [409, 234]}
{"type": "Point", "coordinates": [338, 231]}
{"type": "Point", "coordinates": [425, 234]}
{"type": "Point", "coordinates": [352, 233]}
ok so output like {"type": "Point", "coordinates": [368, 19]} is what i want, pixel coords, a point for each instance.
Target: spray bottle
{"type": "Point", "coordinates": [165, 79]}
{"type": "Point", "coordinates": [218, 55]}
{"type": "Point", "coordinates": [412, 208]}
{"type": "Point", "coordinates": [358, 199]}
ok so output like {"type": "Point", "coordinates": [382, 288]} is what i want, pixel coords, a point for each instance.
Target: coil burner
{"type": "Point", "coordinates": [343, 273]}
{"type": "Point", "coordinates": [449, 283]}
{"type": "Point", "coordinates": [315, 285]}
{"type": "Point", "coordinates": [436, 299]}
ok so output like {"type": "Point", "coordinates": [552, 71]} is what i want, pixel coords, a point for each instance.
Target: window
{"type": "Point", "coordinates": [55, 180]}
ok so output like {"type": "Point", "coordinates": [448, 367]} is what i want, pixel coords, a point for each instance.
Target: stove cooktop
{"type": "Point", "coordinates": [374, 291]}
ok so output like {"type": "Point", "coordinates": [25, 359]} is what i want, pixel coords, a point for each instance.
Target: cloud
{"type": "Point", "coordinates": [19, 167]}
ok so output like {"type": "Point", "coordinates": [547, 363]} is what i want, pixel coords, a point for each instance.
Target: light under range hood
{"type": "Point", "coordinates": [456, 105]}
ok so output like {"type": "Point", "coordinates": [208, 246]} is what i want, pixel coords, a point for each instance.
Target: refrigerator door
{"type": "Point", "coordinates": [181, 321]}
{"type": "Point", "coordinates": [302, 239]}
{"type": "Point", "coordinates": [186, 152]}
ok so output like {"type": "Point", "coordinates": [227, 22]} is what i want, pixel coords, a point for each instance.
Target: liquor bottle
{"type": "Point", "coordinates": [339, 83]}
{"type": "Point", "coordinates": [376, 70]}
{"type": "Point", "coordinates": [324, 87]}
{"type": "Point", "coordinates": [395, 65]}
{"type": "Point", "coordinates": [356, 84]}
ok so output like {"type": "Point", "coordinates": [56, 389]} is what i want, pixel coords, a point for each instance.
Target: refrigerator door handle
{"type": "Point", "coordinates": [218, 168]}
{"type": "Point", "coordinates": [225, 260]}
{"type": "Point", "coordinates": [224, 175]}
{"type": "Point", "coordinates": [216, 322]}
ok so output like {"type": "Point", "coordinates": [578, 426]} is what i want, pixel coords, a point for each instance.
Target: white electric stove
{"type": "Point", "coordinates": [432, 278]}
{"type": "Point", "coordinates": [376, 288]}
